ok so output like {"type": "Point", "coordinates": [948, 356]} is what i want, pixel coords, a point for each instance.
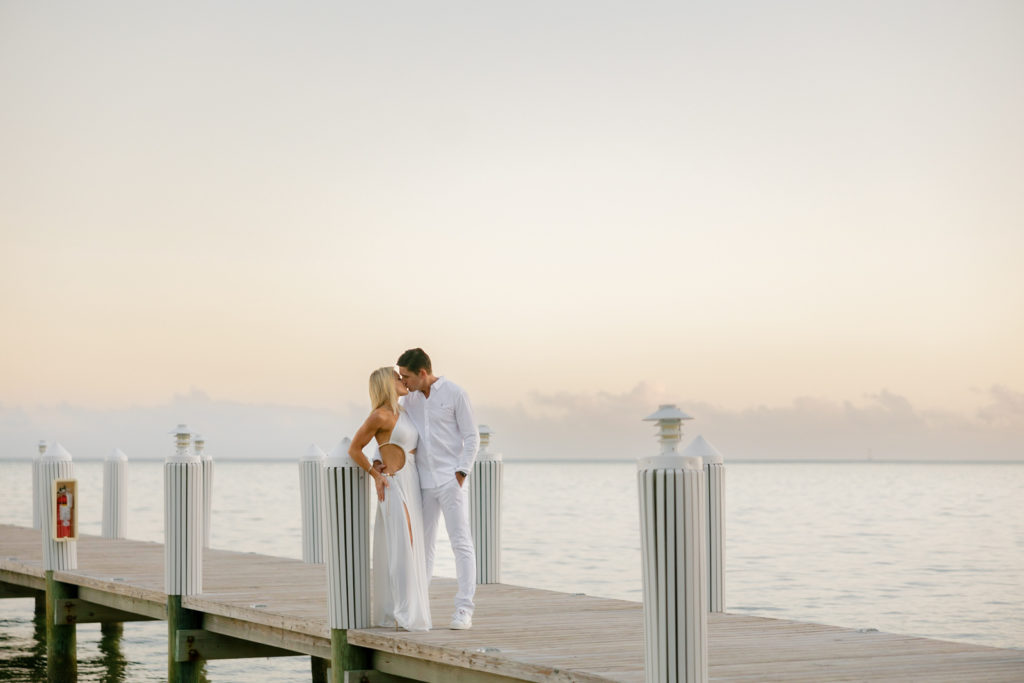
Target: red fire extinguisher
{"type": "Point", "coordinates": [63, 513]}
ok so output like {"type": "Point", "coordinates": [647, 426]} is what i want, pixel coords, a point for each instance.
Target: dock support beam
{"type": "Point", "coordinates": [61, 639]}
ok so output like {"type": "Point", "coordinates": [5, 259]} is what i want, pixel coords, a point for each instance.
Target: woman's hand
{"type": "Point", "coordinates": [381, 482]}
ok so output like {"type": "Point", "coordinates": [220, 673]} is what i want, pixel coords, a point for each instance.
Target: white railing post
{"type": "Point", "coordinates": [672, 496]}
{"type": "Point", "coordinates": [206, 460]}
{"type": "Point", "coordinates": [115, 495]}
{"type": "Point", "coordinates": [183, 522]}
{"type": "Point", "coordinates": [485, 510]}
{"type": "Point", "coordinates": [347, 495]}
{"type": "Point", "coordinates": [311, 467]}
{"type": "Point", "coordinates": [36, 521]}
{"type": "Point", "coordinates": [56, 464]}
{"type": "Point", "coordinates": [714, 475]}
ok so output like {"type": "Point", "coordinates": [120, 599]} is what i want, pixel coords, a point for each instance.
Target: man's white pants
{"type": "Point", "coordinates": [451, 500]}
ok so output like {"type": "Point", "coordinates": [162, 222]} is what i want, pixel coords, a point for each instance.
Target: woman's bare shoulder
{"type": "Point", "coordinates": [382, 416]}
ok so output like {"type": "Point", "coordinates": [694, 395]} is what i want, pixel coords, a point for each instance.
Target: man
{"type": "Point", "coordinates": [448, 441]}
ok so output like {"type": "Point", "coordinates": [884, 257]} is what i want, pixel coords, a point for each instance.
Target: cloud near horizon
{"type": "Point", "coordinates": [883, 426]}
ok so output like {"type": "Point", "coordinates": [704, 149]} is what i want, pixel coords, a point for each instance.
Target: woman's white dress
{"type": "Point", "coordinates": [399, 568]}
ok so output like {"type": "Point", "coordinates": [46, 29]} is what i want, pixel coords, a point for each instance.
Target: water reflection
{"type": "Point", "coordinates": [23, 647]}
{"type": "Point", "coordinates": [23, 641]}
{"type": "Point", "coordinates": [111, 659]}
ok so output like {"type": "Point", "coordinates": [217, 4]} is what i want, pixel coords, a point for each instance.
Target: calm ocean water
{"type": "Point", "coordinates": [933, 550]}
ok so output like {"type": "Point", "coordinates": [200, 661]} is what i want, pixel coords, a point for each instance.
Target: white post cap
{"type": "Point", "coordinates": [56, 453]}
{"type": "Point", "coordinates": [339, 456]}
{"type": "Point", "coordinates": [117, 455]}
{"type": "Point", "coordinates": [703, 449]}
{"type": "Point", "coordinates": [314, 453]}
{"type": "Point", "coordinates": [42, 447]}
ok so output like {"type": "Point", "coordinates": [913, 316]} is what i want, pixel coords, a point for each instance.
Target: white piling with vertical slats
{"type": "Point", "coordinates": [36, 522]}
{"type": "Point", "coordinates": [672, 495]}
{"type": "Point", "coordinates": [53, 465]}
{"type": "Point", "coordinates": [183, 533]}
{"type": "Point", "coordinates": [207, 462]}
{"type": "Point", "coordinates": [485, 510]}
{"type": "Point", "coordinates": [714, 476]}
{"type": "Point", "coordinates": [311, 467]}
{"type": "Point", "coordinates": [115, 495]}
{"type": "Point", "coordinates": [347, 524]}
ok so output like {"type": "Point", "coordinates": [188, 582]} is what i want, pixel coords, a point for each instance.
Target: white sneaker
{"type": "Point", "coordinates": [461, 620]}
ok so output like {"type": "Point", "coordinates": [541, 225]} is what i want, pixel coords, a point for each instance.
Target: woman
{"type": "Point", "coordinates": [399, 569]}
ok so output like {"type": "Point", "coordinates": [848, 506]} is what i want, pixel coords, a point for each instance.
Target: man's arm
{"type": "Point", "coordinates": [465, 420]}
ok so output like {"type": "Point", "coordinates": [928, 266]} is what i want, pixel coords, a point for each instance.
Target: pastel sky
{"type": "Point", "coordinates": [771, 213]}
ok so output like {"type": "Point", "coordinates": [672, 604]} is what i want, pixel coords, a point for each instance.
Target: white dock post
{"type": "Point", "coordinates": [58, 555]}
{"type": "Point", "coordinates": [36, 522]}
{"type": "Point", "coordinates": [183, 533]}
{"type": "Point", "coordinates": [207, 462]}
{"type": "Point", "coordinates": [115, 495]}
{"type": "Point", "coordinates": [672, 530]}
{"type": "Point", "coordinates": [183, 548]}
{"type": "Point", "coordinates": [55, 464]}
{"type": "Point", "coordinates": [485, 510]}
{"type": "Point", "coordinates": [346, 492]}
{"type": "Point", "coordinates": [714, 475]}
{"type": "Point", "coordinates": [311, 467]}
{"type": "Point", "coordinates": [36, 515]}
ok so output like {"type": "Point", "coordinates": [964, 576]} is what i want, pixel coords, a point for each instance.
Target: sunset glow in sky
{"type": "Point", "coordinates": [741, 205]}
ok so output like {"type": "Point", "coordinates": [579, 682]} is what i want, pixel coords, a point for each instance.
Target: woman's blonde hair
{"type": "Point", "coordinates": [382, 388]}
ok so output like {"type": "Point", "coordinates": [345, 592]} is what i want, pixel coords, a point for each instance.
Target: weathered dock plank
{"type": "Point", "coordinates": [518, 633]}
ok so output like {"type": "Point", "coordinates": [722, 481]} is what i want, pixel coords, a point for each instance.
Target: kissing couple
{"type": "Point", "coordinates": [427, 439]}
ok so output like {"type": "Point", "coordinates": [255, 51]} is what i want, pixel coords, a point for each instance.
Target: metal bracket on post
{"type": "Point", "coordinates": [193, 644]}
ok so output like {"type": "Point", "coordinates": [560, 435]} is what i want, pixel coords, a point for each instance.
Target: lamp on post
{"type": "Point", "coordinates": [670, 426]}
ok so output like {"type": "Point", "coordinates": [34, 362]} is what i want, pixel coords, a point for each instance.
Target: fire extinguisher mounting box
{"type": "Point", "coordinates": [65, 510]}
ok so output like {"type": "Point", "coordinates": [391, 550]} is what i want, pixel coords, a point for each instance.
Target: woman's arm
{"type": "Point", "coordinates": [366, 431]}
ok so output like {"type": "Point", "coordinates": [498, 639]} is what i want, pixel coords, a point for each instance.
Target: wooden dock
{"type": "Point", "coordinates": [518, 633]}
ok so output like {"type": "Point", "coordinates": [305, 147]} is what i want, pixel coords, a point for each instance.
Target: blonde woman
{"type": "Point", "coordinates": [400, 596]}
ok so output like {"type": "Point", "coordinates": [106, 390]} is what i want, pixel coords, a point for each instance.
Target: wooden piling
{"type": "Point", "coordinates": [182, 665]}
{"type": "Point", "coordinates": [347, 657]}
{"type": "Point", "coordinates": [61, 638]}
{"type": "Point", "coordinates": [318, 668]}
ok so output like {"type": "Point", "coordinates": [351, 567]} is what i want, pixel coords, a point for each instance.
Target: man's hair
{"type": "Point", "coordinates": [415, 360]}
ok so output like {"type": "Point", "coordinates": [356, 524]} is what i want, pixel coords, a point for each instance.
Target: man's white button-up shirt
{"type": "Point", "coordinates": [448, 433]}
